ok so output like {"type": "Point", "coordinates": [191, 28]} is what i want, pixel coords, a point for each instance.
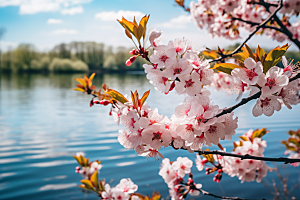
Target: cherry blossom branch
{"type": "Point", "coordinates": [287, 32]}
{"type": "Point", "coordinates": [247, 156]}
{"type": "Point", "coordinates": [246, 100]}
{"type": "Point", "coordinates": [221, 197]}
{"type": "Point", "coordinates": [257, 24]}
{"type": "Point", "coordinates": [283, 29]}
{"type": "Point", "coordinates": [251, 34]}
{"type": "Point", "coordinates": [214, 195]}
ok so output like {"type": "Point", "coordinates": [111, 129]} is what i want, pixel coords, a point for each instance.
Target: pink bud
{"type": "Point", "coordinates": [77, 168]}
{"type": "Point", "coordinates": [133, 52]}
{"type": "Point", "coordinates": [172, 86]}
{"type": "Point", "coordinates": [91, 102]}
{"type": "Point", "coordinates": [130, 60]}
{"type": "Point", "coordinates": [104, 102]}
{"type": "Point", "coordinates": [220, 170]}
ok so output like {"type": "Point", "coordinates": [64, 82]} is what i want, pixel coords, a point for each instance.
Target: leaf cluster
{"type": "Point", "coordinates": [135, 29]}
{"type": "Point", "coordinates": [268, 60]}
{"type": "Point", "coordinates": [258, 133]}
{"type": "Point", "coordinates": [293, 142]}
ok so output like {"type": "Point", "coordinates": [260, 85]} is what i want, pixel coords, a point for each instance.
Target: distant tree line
{"type": "Point", "coordinates": [75, 56]}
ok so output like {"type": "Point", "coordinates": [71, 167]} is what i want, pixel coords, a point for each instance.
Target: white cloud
{"type": "Point", "coordinates": [37, 6]}
{"type": "Point", "coordinates": [64, 32]}
{"type": "Point", "coordinates": [179, 22]}
{"type": "Point", "coordinates": [6, 45]}
{"type": "Point", "coordinates": [72, 11]}
{"type": "Point", "coordinates": [112, 15]}
{"type": "Point", "coordinates": [54, 21]}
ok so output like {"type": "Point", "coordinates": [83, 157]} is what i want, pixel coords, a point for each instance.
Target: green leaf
{"type": "Point", "coordinates": [250, 52]}
{"type": "Point", "coordinates": [94, 179]}
{"type": "Point", "coordinates": [128, 34]}
{"type": "Point", "coordinates": [78, 160]}
{"type": "Point", "coordinates": [241, 57]}
{"type": "Point", "coordinates": [209, 157]}
{"type": "Point", "coordinates": [144, 97]}
{"type": "Point", "coordinates": [261, 53]}
{"type": "Point", "coordinates": [225, 67]}
{"type": "Point", "coordinates": [88, 184]}
{"type": "Point", "coordinates": [259, 133]}
{"type": "Point", "coordinates": [243, 138]}
{"type": "Point", "coordinates": [274, 57]}
{"type": "Point", "coordinates": [293, 141]}
{"type": "Point", "coordinates": [116, 95]}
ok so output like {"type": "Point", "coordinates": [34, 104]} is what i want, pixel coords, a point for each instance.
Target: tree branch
{"type": "Point", "coordinates": [246, 100]}
{"type": "Point", "coordinates": [247, 156]}
{"type": "Point", "coordinates": [251, 34]}
{"type": "Point", "coordinates": [214, 195]}
{"type": "Point", "coordinates": [287, 32]}
{"type": "Point", "coordinates": [222, 197]}
{"type": "Point", "coordinates": [257, 24]}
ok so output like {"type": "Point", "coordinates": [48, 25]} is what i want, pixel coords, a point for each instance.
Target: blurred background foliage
{"type": "Point", "coordinates": [72, 57]}
{"type": "Point", "coordinates": [80, 57]}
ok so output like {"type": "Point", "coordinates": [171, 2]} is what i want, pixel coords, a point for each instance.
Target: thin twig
{"type": "Point", "coordinates": [287, 32]}
{"type": "Point", "coordinates": [247, 156]}
{"type": "Point", "coordinates": [257, 24]}
{"type": "Point", "coordinates": [246, 100]}
{"type": "Point", "coordinates": [223, 197]}
{"type": "Point", "coordinates": [251, 34]}
{"type": "Point", "coordinates": [193, 187]}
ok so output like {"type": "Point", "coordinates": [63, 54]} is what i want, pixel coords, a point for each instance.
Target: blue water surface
{"type": "Point", "coordinates": [43, 123]}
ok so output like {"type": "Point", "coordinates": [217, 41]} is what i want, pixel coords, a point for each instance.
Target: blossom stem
{"type": "Point", "coordinates": [215, 195]}
{"type": "Point", "coordinates": [247, 156]}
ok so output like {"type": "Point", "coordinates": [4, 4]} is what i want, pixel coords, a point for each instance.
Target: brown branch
{"type": "Point", "coordinates": [257, 24]}
{"type": "Point", "coordinates": [287, 32]}
{"type": "Point", "coordinates": [251, 34]}
{"type": "Point", "coordinates": [222, 197]}
{"type": "Point", "coordinates": [214, 195]}
{"type": "Point", "coordinates": [247, 156]}
{"type": "Point", "coordinates": [246, 100]}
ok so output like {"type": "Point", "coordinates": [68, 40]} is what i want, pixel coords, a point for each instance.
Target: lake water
{"type": "Point", "coordinates": [43, 123]}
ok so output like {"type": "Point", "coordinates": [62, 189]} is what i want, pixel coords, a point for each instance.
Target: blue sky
{"type": "Point", "coordinates": [46, 23]}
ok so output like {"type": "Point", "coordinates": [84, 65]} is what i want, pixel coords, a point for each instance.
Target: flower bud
{"type": "Point", "coordinates": [104, 102]}
{"type": "Point", "coordinates": [133, 52]}
{"type": "Point", "coordinates": [130, 60]}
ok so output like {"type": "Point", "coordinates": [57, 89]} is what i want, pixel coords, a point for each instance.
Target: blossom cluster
{"type": "Point", "coordinates": [173, 174]}
{"type": "Point", "coordinates": [89, 171]}
{"type": "Point", "coordinates": [274, 85]}
{"type": "Point", "coordinates": [246, 170]}
{"type": "Point", "coordinates": [86, 169]}
{"type": "Point", "coordinates": [224, 18]}
{"type": "Point", "coordinates": [121, 191]}
{"type": "Point", "coordinates": [293, 146]}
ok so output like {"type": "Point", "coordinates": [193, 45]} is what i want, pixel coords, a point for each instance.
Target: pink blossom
{"type": "Point", "coordinates": [182, 165]}
{"type": "Point", "coordinates": [250, 73]}
{"type": "Point", "coordinates": [127, 186]}
{"type": "Point", "coordinates": [266, 106]}
{"type": "Point", "coordinates": [272, 82]}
